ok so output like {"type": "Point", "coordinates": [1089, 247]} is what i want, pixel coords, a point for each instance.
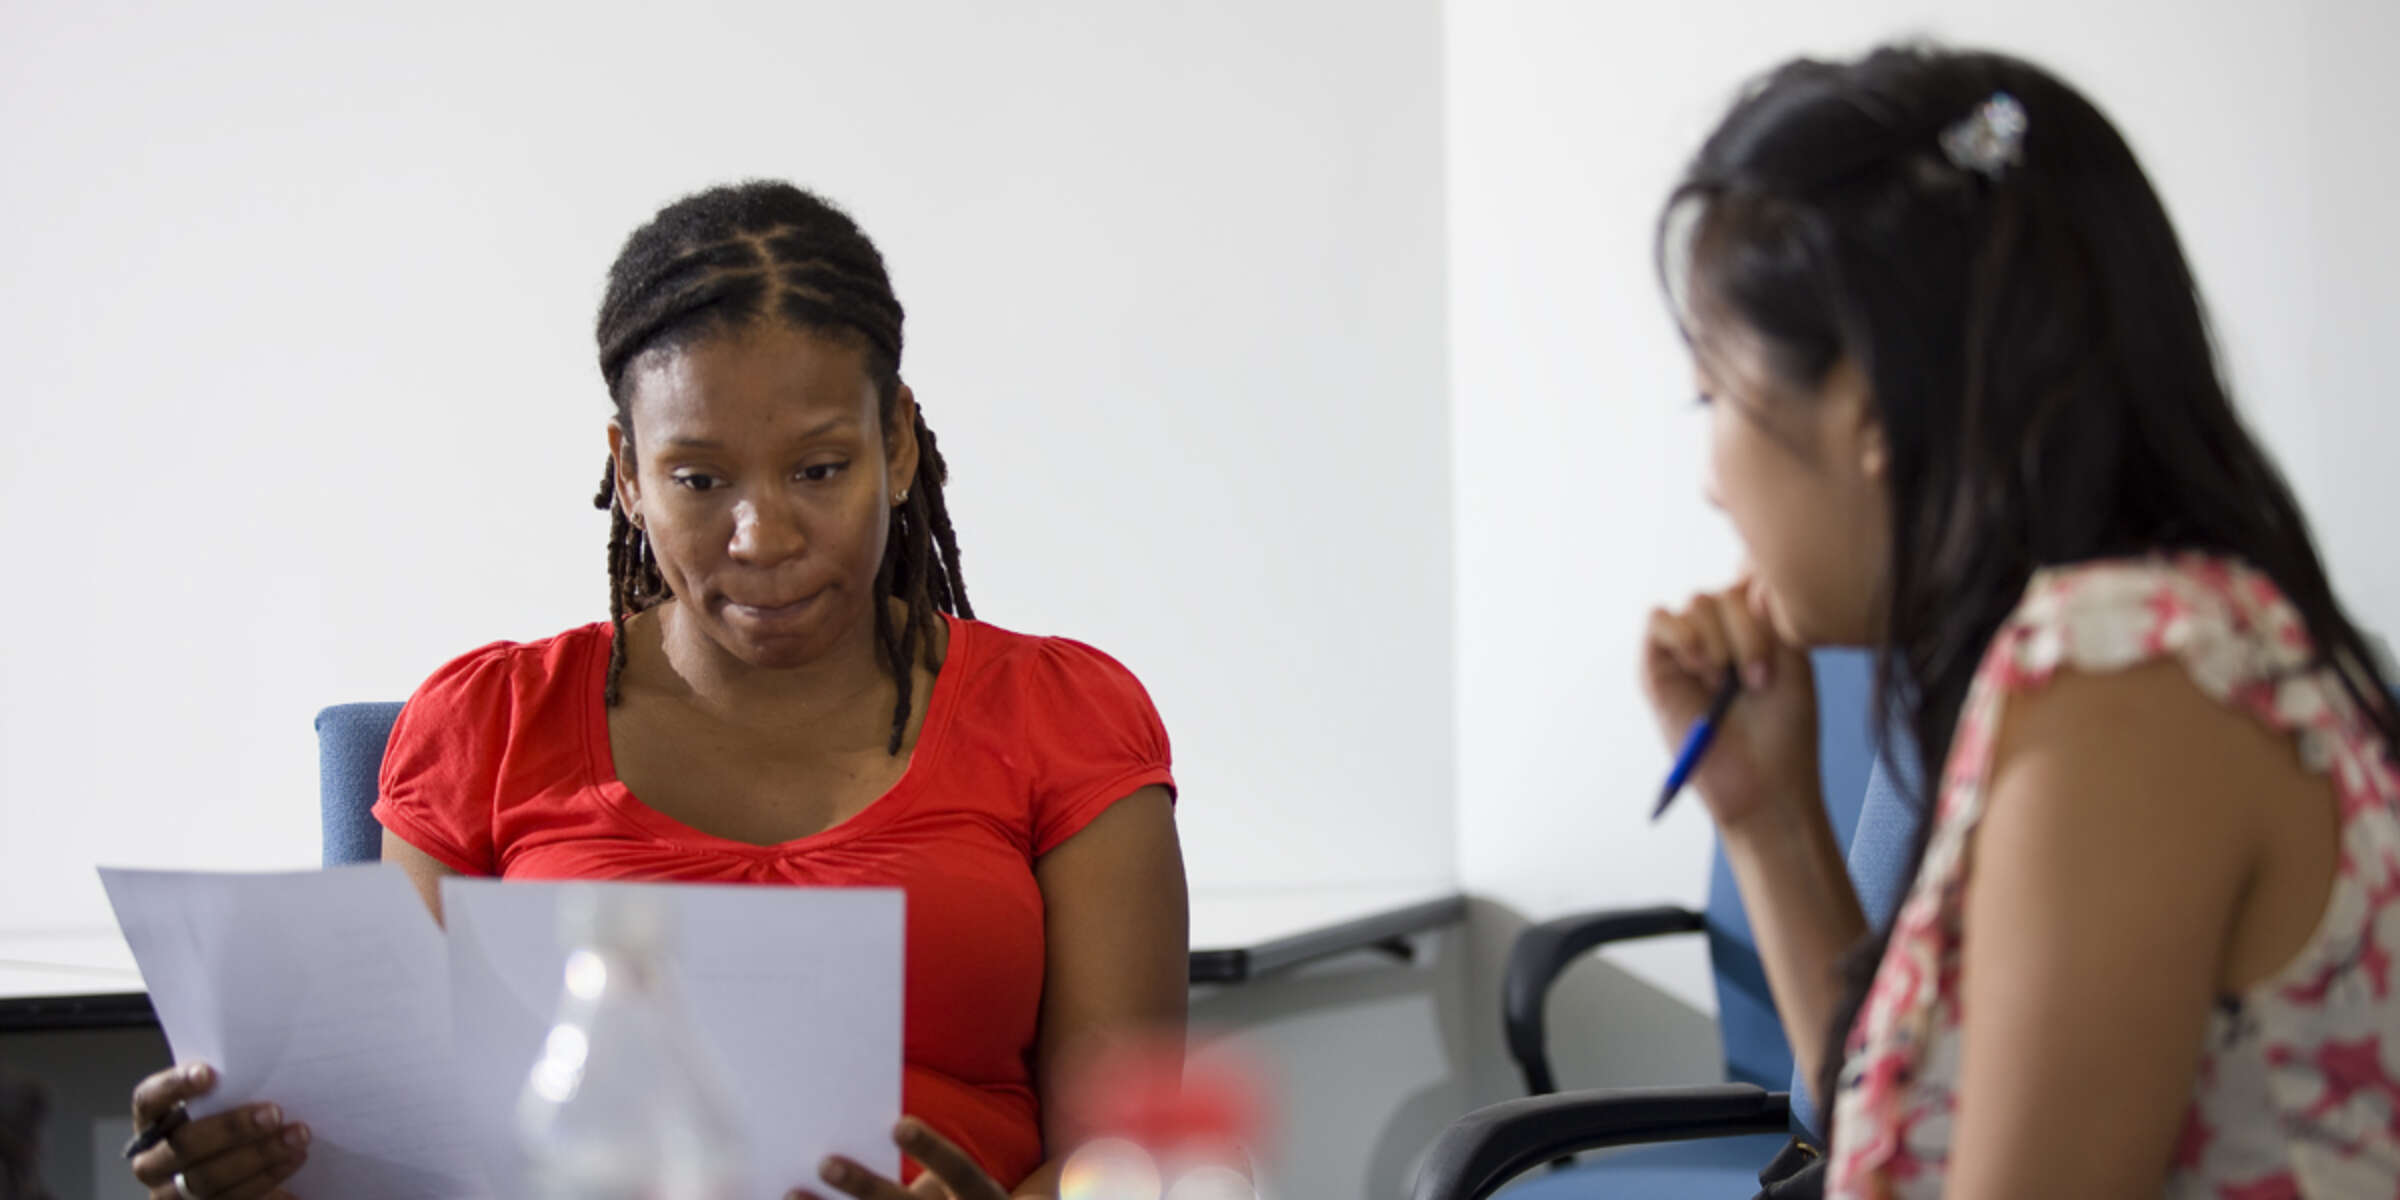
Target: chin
{"type": "Point", "coordinates": [1802, 629]}
{"type": "Point", "coordinates": [1809, 631]}
{"type": "Point", "coordinates": [781, 639]}
{"type": "Point", "coordinates": [776, 654]}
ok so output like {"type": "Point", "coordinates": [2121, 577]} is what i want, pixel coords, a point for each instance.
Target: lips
{"type": "Point", "coordinates": [770, 612]}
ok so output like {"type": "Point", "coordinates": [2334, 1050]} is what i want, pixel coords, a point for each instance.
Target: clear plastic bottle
{"type": "Point", "coordinates": [626, 1102]}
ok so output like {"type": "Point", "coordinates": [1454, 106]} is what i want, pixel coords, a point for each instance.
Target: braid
{"type": "Point", "coordinates": [717, 262]}
{"type": "Point", "coordinates": [632, 574]}
{"type": "Point", "coordinates": [920, 569]}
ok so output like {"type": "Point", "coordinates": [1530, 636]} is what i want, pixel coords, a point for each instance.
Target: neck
{"type": "Point", "coordinates": [847, 686]}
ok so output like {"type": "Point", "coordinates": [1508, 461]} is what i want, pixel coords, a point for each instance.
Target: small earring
{"type": "Point", "coordinates": [900, 499]}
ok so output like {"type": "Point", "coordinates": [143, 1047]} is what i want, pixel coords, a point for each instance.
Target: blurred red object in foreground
{"type": "Point", "coordinates": [1149, 1094]}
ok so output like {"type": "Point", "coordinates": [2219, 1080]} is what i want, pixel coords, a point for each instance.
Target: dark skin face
{"type": "Point", "coordinates": [762, 472]}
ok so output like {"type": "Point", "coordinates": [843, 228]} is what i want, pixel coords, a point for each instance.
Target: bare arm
{"type": "Point", "coordinates": [1804, 913]}
{"type": "Point", "coordinates": [1760, 782]}
{"type": "Point", "coordinates": [2120, 846]}
{"type": "Point", "coordinates": [423, 870]}
{"type": "Point", "coordinates": [1118, 930]}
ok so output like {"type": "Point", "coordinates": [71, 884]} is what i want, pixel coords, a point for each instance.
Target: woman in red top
{"type": "Point", "coordinates": [792, 690]}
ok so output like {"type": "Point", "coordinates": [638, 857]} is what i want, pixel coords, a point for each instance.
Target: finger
{"type": "Point", "coordinates": [197, 1141]}
{"type": "Point", "coordinates": [1706, 617]}
{"type": "Point", "coordinates": [1672, 637]}
{"type": "Point", "coordinates": [960, 1173]}
{"type": "Point", "coordinates": [1752, 643]}
{"type": "Point", "coordinates": [152, 1097]}
{"type": "Point", "coordinates": [204, 1139]}
{"type": "Point", "coordinates": [1668, 654]}
{"type": "Point", "coordinates": [154, 1166]}
{"type": "Point", "coordinates": [851, 1179]}
{"type": "Point", "coordinates": [263, 1162]}
{"type": "Point", "coordinates": [209, 1137]}
{"type": "Point", "coordinates": [1761, 601]}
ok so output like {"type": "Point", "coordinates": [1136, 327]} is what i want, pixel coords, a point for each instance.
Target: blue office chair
{"type": "Point", "coordinates": [1758, 1063]}
{"type": "Point", "coordinates": [1675, 1128]}
{"type": "Point", "coordinates": [350, 742]}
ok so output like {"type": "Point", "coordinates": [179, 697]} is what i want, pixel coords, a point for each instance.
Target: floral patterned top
{"type": "Point", "coordinates": [2298, 1092]}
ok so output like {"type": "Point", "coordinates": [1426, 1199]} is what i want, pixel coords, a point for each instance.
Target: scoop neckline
{"type": "Point", "coordinates": [614, 794]}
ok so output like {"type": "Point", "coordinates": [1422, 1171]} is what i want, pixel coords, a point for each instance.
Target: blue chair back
{"type": "Point", "coordinates": [1880, 852]}
{"type": "Point", "coordinates": [350, 742]}
{"type": "Point", "coordinates": [1755, 1049]}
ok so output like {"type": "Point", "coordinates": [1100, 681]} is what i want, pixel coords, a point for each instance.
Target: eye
{"type": "Point", "coordinates": [696, 481]}
{"type": "Point", "coordinates": [823, 472]}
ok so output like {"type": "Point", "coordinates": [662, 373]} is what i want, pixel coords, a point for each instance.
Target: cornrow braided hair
{"type": "Point", "coordinates": [717, 262]}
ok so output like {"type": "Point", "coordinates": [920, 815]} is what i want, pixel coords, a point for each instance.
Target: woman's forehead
{"type": "Point", "coordinates": [770, 376]}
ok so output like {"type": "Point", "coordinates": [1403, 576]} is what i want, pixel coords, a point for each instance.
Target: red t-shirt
{"type": "Point", "coordinates": [500, 765]}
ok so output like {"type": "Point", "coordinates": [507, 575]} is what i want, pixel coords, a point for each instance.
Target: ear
{"type": "Point", "coordinates": [629, 481]}
{"type": "Point", "coordinates": [900, 446]}
{"type": "Point", "coordinates": [1873, 458]}
{"type": "Point", "coordinates": [1852, 400]}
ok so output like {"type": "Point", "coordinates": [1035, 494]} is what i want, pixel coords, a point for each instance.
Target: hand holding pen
{"type": "Point", "coordinates": [1736, 703]}
{"type": "Point", "coordinates": [1702, 735]}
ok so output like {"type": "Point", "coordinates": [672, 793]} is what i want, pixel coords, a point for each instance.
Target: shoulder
{"type": "Point", "coordinates": [2226, 622]}
{"type": "Point", "coordinates": [2134, 773]}
{"type": "Point", "coordinates": [503, 675]}
{"type": "Point", "coordinates": [1079, 726]}
{"type": "Point", "coordinates": [499, 703]}
{"type": "Point", "coordinates": [1065, 699]}
{"type": "Point", "coordinates": [2148, 720]}
{"type": "Point", "coordinates": [1058, 666]}
{"type": "Point", "coordinates": [2149, 677]}
{"type": "Point", "coordinates": [473, 735]}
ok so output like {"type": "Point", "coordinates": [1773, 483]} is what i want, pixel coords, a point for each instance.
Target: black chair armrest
{"type": "Point", "coordinates": [1490, 1146]}
{"type": "Point", "coordinates": [1544, 950]}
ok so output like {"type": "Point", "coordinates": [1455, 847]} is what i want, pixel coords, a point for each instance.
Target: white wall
{"type": "Point", "coordinates": [296, 302]}
{"type": "Point", "coordinates": [1577, 451]}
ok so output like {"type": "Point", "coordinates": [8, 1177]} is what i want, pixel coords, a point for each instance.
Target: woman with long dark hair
{"type": "Point", "coordinates": [1964, 409]}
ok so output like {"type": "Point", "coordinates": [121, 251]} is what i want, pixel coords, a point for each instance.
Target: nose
{"type": "Point", "coordinates": [765, 532]}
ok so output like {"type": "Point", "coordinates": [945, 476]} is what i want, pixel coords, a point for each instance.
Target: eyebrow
{"type": "Point", "coordinates": [820, 429]}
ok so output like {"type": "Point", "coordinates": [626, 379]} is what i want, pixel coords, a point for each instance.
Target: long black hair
{"type": "Point", "coordinates": [715, 263]}
{"type": "Point", "coordinates": [2035, 347]}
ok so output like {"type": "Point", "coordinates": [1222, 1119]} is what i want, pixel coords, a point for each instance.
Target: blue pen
{"type": "Point", "coordinates": [1695, 743]}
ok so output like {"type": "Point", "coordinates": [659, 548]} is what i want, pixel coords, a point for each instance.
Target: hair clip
{"type": "Point", "coordinates": [1990, 139]}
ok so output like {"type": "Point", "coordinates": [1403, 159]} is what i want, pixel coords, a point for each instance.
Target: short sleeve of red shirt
{"type": "Point", "coordinates": [1094, 729]}
{"type": "Point", "coordinates": [441, 770]}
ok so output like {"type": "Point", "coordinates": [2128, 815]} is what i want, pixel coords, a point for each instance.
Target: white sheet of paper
{"type": "Point", "coordinates": [797, 990]}
{"type": "Point", "coordinates": [326, 992]}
